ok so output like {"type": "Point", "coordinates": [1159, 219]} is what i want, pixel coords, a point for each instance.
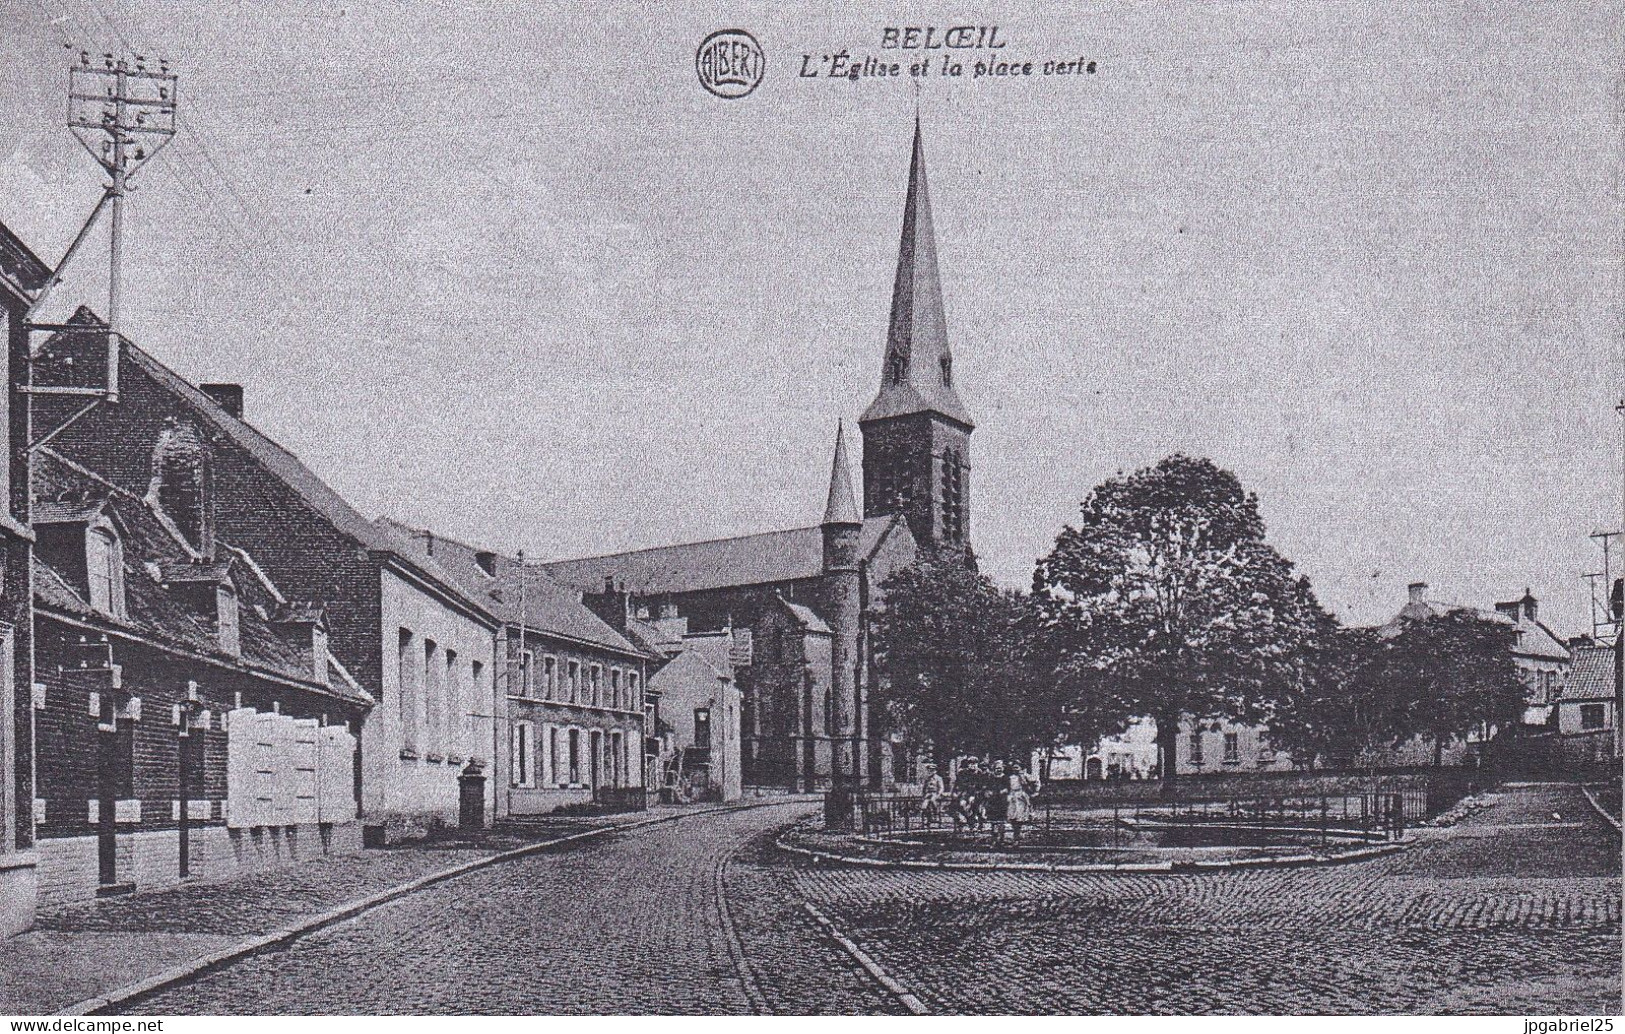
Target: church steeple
{"type": "Point", "coordinates": [917, 373]}
{"type": "Point", "coordinates": [916, 433]}
{"type": "Point", "coordinates": [842, 507]}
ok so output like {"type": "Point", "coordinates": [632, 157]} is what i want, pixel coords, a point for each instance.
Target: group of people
{"type": "Point", "coordinates": [998, 795]}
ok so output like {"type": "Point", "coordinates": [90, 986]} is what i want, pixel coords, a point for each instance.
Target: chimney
{"type": "Point", "coordinates": [1419, 592]}
{"type": "Point", "coordinates": [613, 606]}
{"type": "Point", "coordinates": [1531, 606]}
{"type": "Point", "coordinates": [228, 397]}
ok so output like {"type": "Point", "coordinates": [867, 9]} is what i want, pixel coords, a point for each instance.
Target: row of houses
{"type": "Point", "coordinates": [214, 663]}
{"type": "Point", "coordinates": [1570, 710]}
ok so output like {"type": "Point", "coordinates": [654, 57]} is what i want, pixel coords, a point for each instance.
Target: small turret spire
{"type": "Point", "coordinates": [842, 507]}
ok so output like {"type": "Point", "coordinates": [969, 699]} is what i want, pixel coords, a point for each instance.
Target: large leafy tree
{"type": "Point", "coordinates": [959, 666]}
{"type": "Point", "coordinates": [1165, 600]}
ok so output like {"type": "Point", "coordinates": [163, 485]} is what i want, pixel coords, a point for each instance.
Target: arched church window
{"type": "Point", "coordinates": [899, 367]}
{"type": "Point", "coordinates": [953, 496]}
{"type": "Point", "coordinates": [947, 371]}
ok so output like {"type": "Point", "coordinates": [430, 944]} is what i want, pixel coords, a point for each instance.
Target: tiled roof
{"type": "Point", "coordinates": [761, 559]}
{"type": "Point", "coordinates": [19, 266]}
{"type": "Point", "coordinates": [650, 639]}
{"type": "Point", "coordinates": [809, 620]}
{"type": "Point", "coordinates": [1591, 676]}
{"type": "Point", "coordinates": [66, 511]}
{"type": "Point", "coordinates": [548, 606]}
{"type": "Point", "coordinates": [155, 613]}
{"type": "Point", "coordinates": [285, 466]}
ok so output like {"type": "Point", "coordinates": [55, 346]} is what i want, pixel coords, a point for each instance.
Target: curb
{"type": "Point", "coordinates": [1283, 862]}
{"type": "Point", "coordinates": [1599, 809]}
{"type": "Point", "coordinates": [255, 945]}
{"type": "Point", "coordinates": [870, 966]}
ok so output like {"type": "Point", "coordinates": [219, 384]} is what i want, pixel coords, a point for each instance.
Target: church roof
{"type": "Point", "coordinates": [763, 559]}
{"type": "Point", "coordinates": [917, 375]}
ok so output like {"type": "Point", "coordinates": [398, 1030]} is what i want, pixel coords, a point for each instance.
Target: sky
{"type": "Point", "coordinates": [512, 274]}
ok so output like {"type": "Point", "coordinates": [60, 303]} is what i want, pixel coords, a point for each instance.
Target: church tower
{"type": "Point", "coordinates": [916, 433]}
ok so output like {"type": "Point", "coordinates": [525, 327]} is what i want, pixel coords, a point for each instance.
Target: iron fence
{"type": "Point", "coordinates": [1369, 816]}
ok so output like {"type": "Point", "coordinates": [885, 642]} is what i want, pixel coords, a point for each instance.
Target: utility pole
{"type": "Point", "coordinates": [122, 113]}
{"type": "Point", "coordinates": [1616, 609]}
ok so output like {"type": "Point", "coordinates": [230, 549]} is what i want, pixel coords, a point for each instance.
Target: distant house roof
{"type": "Point", "coordinates": [1534, 638]}
{"type": "Point", "coordinates": [502, 585]}
{"type": "Point", "coordinates": [761, 559]}
{"type": "Point", "coordinates": [1591, 676]}
{"type": "Point", "coordinates": [287, 467]}
{"type": "Point", "coordinates": [810, 621]}
{"type": "Point", "coordinates": [715, 648]}
{"type": "Point", "coordinates": [649, 638]}
{"type": "Point", "coordinates": [153, 562]}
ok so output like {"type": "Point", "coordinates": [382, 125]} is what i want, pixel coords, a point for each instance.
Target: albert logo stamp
{"type": "Point", "coordinates": [730, 63]}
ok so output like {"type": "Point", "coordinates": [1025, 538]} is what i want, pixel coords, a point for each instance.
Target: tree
{"type": "Point", "coordinates": [1438, 678]}
{"type": "Point", "coordinates": [1344, 708]}
{"type": "Point", "coordinates": [1165, 601]}
{"type": "Point", "coordinates": [958, 664]}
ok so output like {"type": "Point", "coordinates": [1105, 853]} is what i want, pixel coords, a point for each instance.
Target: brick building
{"type": "Point", "coordinates": [22, 275]}
{"type": "Point", "coordinates": [571, 686]}
{"type": "Point", "coordinates": [403, 629]}
{"type": "Point", "coordinates": [803, 598]}
{"type": "Point", "coordinates": [189, 718]}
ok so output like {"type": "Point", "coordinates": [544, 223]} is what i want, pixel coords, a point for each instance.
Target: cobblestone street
{"type": "Point", "coordinates": [1516, 910]}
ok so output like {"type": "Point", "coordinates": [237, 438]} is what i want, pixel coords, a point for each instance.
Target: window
{"type": "Point", "coordinates": [632, 703]}
{"type": "Point", "coordinates": [523, 773]}
{"type": "Point", "coordinates": [1266, 750]}
{"type": "Point", "coordinates": [406, 686]}
{"type": "Point", "coordinates": [947, 371]}
{"type": "Point", "coordinates": [575, 684]}
{"type": "Point", "coordinates": [899, 367]}
{"type": "Point", "coordinates": [953, 495]}
{"type": "Point", "coordinates": [1196, 746]}
{"type": "Point", "coordinates": [1232, 748]}
{"type": "Point", "coordinates": [575, 755]}
{"type": "Point", "coordinates": [527, 665]}
{"type": "Point", "coordinates": [614, 687]}
{"type": "Point", "coordinates": [452, 690]}
{"type": "Point", "coordinates": [597, 685]}
{"type": "Point", "coordinates": [615, 758]}
{"type": "Point", "coordinates": [476, 676]}
{"type": "Point", "coordinates": [553, 755]}
{"type": "Point", "coordinates": [433, 708]}
{"type": "Point", "coordinates": [550, 677]}
{"type": "Point", "coordinates": [104, 565]}
{"type": "Point", "coordinates": [225, 607]}
{"type": "Point", "coordinates": [1592, 716]}
{"type": "Point", "coordinates": [702, 727]}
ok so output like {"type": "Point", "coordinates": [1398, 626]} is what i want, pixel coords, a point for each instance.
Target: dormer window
{"type": "Point", "coordinates": [225, 600]}
{"type": "Point", "coordinates": [104, 568]}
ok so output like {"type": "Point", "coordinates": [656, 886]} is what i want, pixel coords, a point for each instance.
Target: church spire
{"type": "Point", "coordinates": [917, 375]}
{"type": "Point", "coordinates": [842, 507]}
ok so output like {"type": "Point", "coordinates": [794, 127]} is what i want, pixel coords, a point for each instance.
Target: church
{"type": "Point", "coordinates": [799, 603]}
